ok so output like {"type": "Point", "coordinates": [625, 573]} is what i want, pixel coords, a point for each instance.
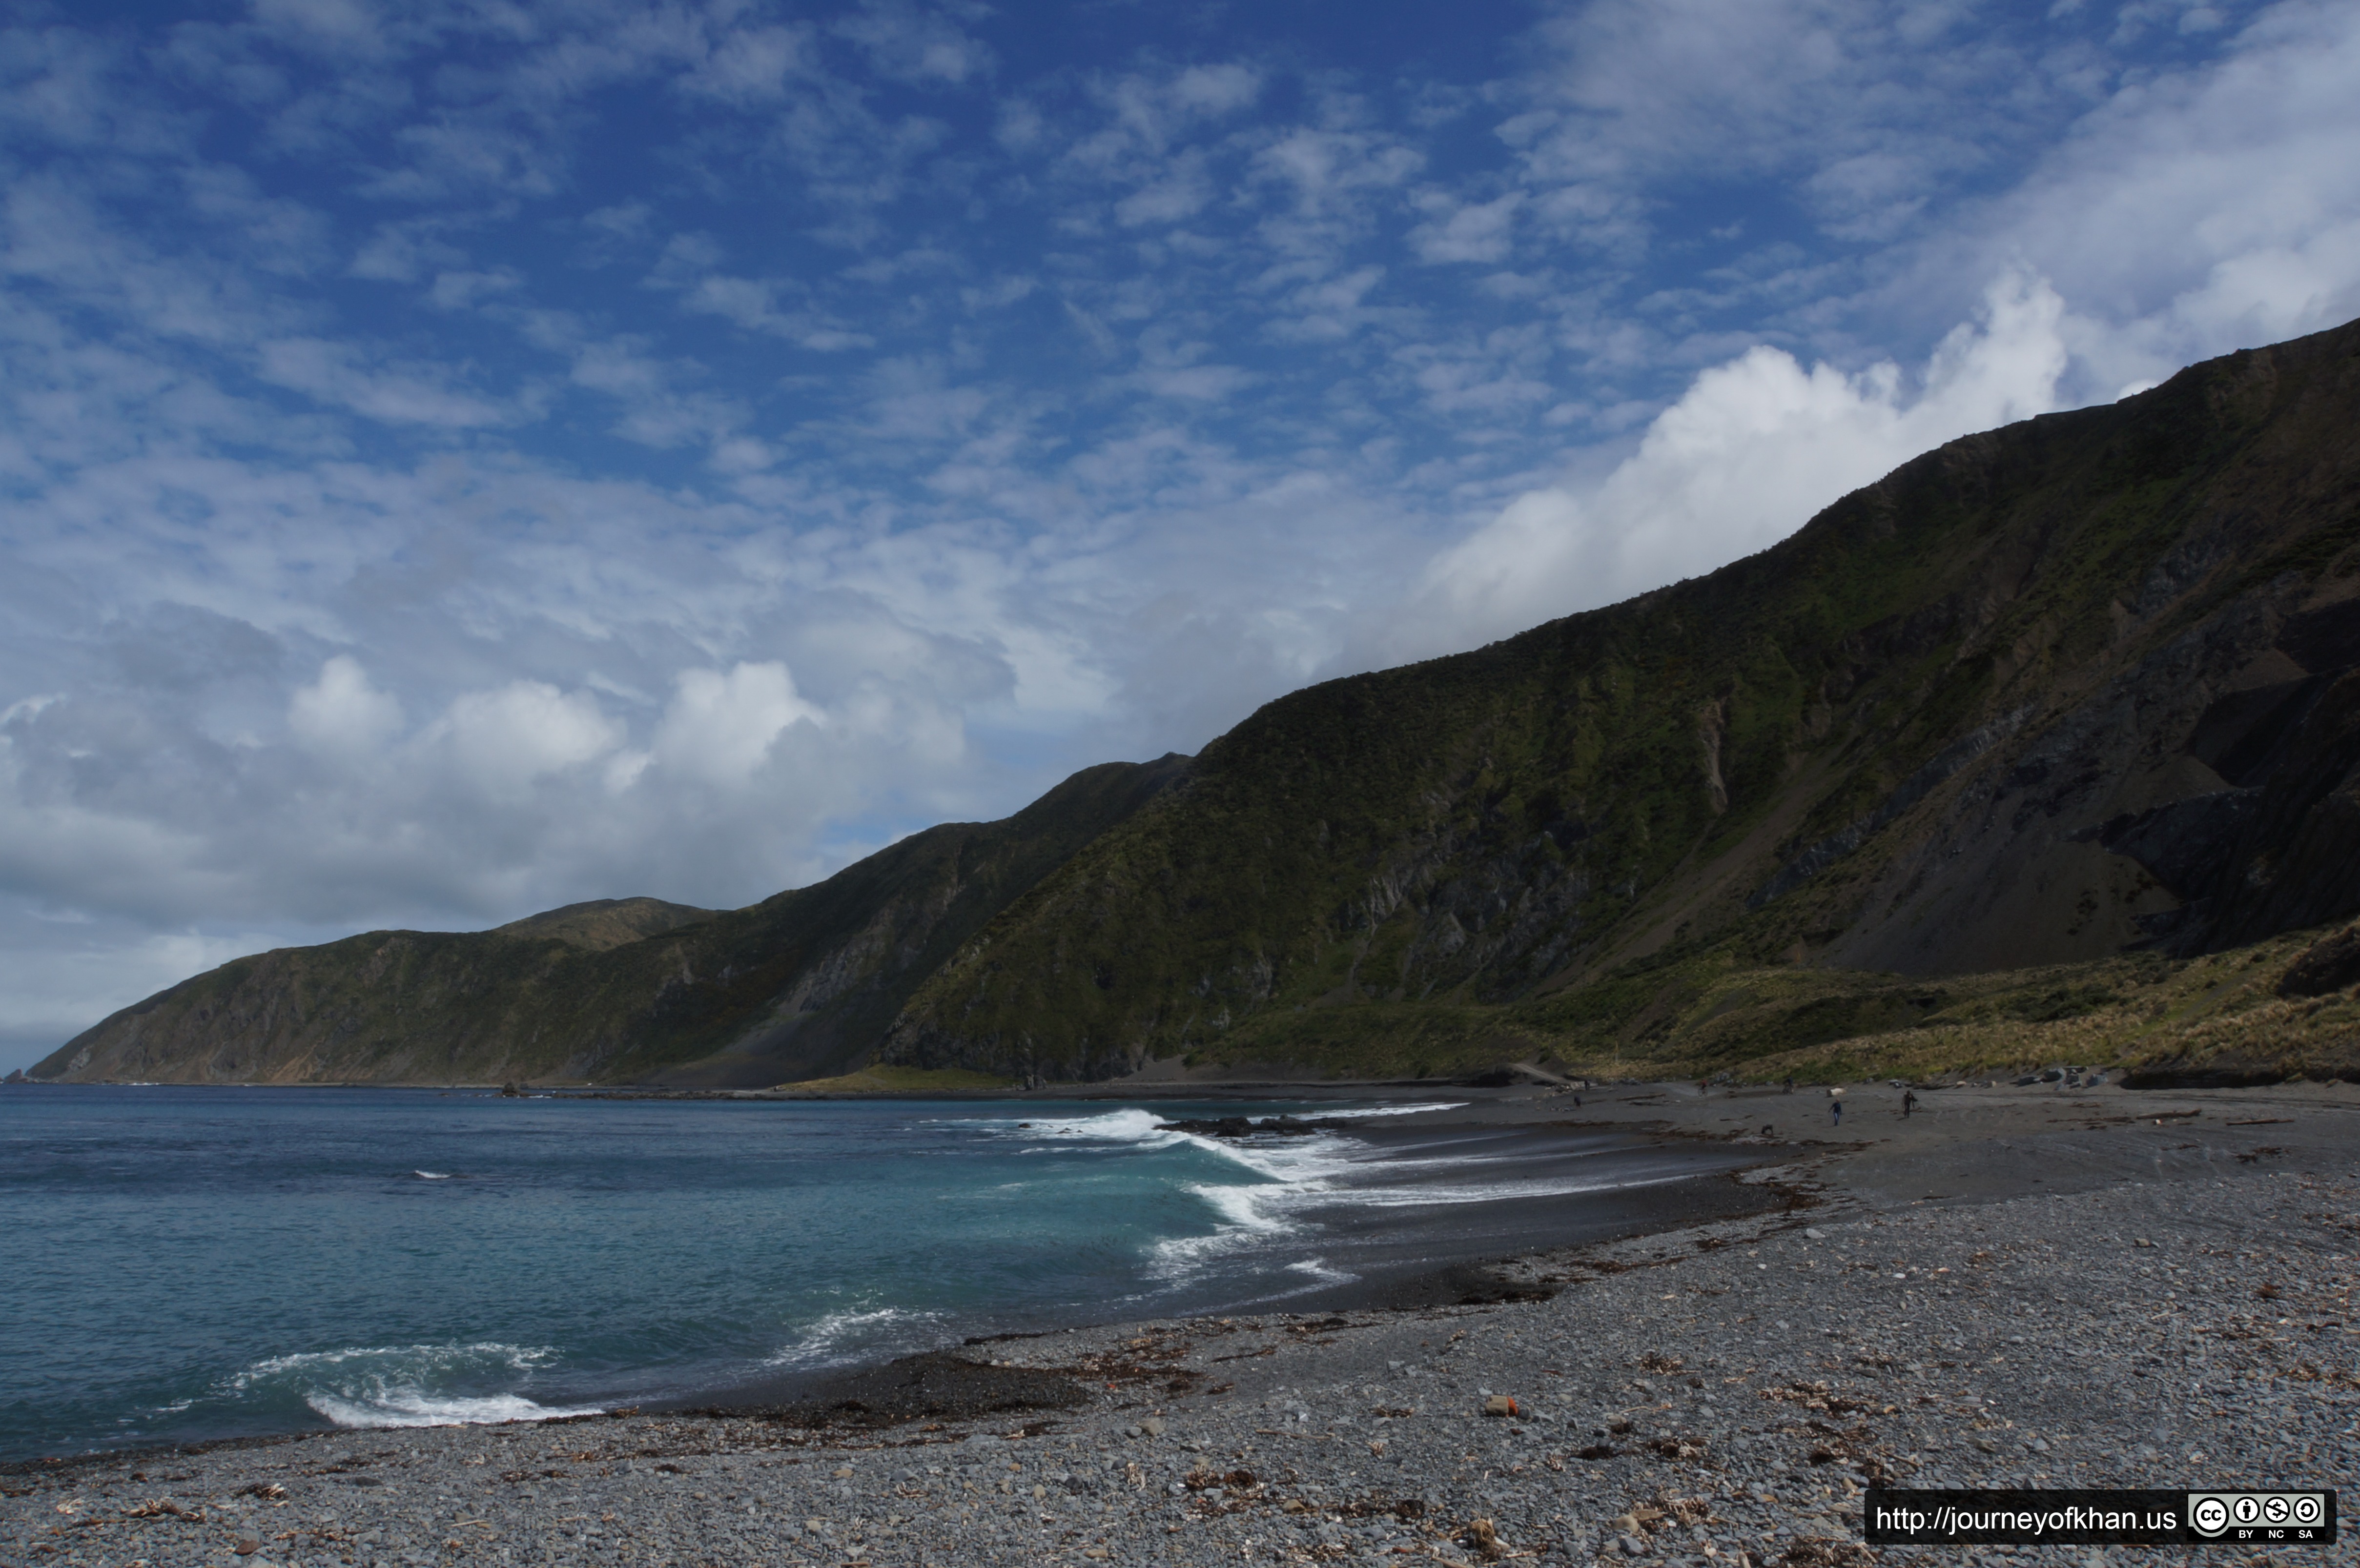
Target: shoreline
{"type": "Point", "coordinates": [1103, 1089]}
{"type": "Point", "coordinates": [2013, 1283]}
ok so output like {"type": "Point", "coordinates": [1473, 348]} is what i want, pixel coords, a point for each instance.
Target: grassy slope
{"type": "Point", "coordinates": [602, 923]}
{"type": "Point", "coordinates": [1457, 858]}
{"type": "Point", "coordinates": [880, 1079]}
{"type": "Point", "coordinates": [1710, 1016]}
{"type": "Point", "coordinates": [431, 1006]}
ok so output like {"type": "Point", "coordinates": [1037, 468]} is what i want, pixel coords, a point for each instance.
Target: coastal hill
{"type": "Point", "coordinates": [798, 984]}
{"type": "Point", "coordinates": [2000, 754]}
{"type": "Point", "coordinates": [602, 923]}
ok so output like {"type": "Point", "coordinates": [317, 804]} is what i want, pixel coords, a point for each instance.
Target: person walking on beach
{"type": "Point", "coordinates": [1835, 1103]}
{"type": "Point", "coordinates": [1909, 1103]}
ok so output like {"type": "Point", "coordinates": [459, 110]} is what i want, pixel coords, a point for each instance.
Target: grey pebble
{"type": "Point", "coordinates": [2020, 1344]}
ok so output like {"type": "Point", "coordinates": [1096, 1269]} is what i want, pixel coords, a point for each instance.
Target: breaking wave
{"type": "Point", "coordinates": [843, 1338]}
{"type": "Point", "coordinates": [413, 1385]}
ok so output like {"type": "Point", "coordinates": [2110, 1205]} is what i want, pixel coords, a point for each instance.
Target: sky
{"type": "Point", "coordinates": [460, 457]}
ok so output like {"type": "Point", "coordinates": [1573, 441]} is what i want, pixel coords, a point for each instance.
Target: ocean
{"type": "Point", "coordinates": [180, 1264]}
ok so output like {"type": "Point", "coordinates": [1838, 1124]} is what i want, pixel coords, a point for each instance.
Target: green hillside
{"type": "Point", "coordinates": [1980, 766]}
{"type": "Point", "coordinates": [799, 984]}
{"type": "Point", "coordinates": [1896, 742]}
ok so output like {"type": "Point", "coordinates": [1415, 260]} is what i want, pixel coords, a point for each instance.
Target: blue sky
{"type": "Point", "coordinates": [459, 458]}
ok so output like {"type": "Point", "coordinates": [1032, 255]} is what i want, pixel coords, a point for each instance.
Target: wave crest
{"type": "Point", "coordinates": [410, 1385]}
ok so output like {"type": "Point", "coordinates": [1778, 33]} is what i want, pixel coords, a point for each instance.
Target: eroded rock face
{"type": "Point", "coordinates": [2332, 965]}
{"type": "Point", "coordinates": [2279, 849]}
{"type": "Point", "coordinates": [2298, 862]}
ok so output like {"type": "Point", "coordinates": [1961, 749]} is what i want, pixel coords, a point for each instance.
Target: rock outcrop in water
{"type": "Point", "coordinates": [1251, 1126]}
{"type": "Point", "coordinates": [2076, 700]}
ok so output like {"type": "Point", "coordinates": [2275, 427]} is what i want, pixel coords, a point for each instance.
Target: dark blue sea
{"type": "Point", "coordinates": [179, 1264]}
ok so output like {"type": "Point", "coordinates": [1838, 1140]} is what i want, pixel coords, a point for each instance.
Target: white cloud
{"type": "Point", "coordinates": [500, 743]}
{"type": "Point", "coordinates": [720, 728]}
{"type": "Point", "coordinates": [749, 64]}
{"type": "Point", "coordinates": [911, 44]}
{"type": "Point", "coordinates": [1200, 382]}
{"type": "Point", "coordinates": [1747, 455]}
{"type": "Point", "coordinates": [1635, 89]}
{"type": "Point", "coordinates": [342, 715]}
{"type": "Point", "coordinates": [2196, 213]}
{"type": "Point", "coordinates": [1146, 114]}
{"type": "Point", "coordinates": [1180, 191]}
{"type": "Point", "coordinates": [399, 253]}
{"type": "Point", "coordinates": [1479, 231]}
{"type": "Point", "coordinates": [396, 394]}
{"type": "Point", "coordinates": [752, 304]}
{"type": "Point", "coordinates": [62, 852]}
{"type": "Point", "coordinates": [463, 290]}
{"type": "Point", "coordinates": [1216, 89]}
{"type": "Point", "coordinates": [340, 25]}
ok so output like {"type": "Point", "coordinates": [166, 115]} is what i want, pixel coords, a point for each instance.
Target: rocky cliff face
{"type": "Point", "coordinates": [2085, 690]}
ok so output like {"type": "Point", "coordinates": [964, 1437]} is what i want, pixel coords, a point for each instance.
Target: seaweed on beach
{"type": "Point", "coordinates": [934, 1386]}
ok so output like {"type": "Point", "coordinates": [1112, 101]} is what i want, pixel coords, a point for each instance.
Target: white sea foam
{"type": "Point", "coordinates": [412, 1385]}
{"type": "Point", "coordinates": [1291, 1180]}
{"type": "Point", "coordinates": [371, 1359]}
{"type": "Point", "coordinates": [824, 1342]}
{"type": "Point", "coordinates": [431, 1175]}
{"type": "Point", "coordinates": [1322, 1271]}
{"type": "Point", "coordinates": [1126, 1126]}
{"type": "Point", "coordinates": [414, 1406]}
{"type": "Point", "coordinates": [1296, 1171]}
{"type": "Point", "coordinates": [1498, 1191]}
{"type": "Point", "coordinates": [1392, 1110]}
{"type": "Point", "coordinates": [1132, 1130]}
{"type": "Point", "coordinates": [1305, 1180]}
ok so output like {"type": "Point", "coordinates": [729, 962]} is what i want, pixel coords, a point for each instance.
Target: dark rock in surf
{"type": "Point", "coordinates": [1246, 1127]}
{"type": "Point", "coordinates": [935, 1385]}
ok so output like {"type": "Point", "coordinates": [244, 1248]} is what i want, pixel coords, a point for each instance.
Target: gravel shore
{"type": "Point", "coordinates": [2027, 1287]}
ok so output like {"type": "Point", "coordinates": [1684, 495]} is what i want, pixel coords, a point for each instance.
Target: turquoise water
{"type": "Point", "coordinates": [196, 1263]}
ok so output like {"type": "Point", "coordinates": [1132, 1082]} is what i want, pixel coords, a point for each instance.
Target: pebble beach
{"type": "Point", "coordinates": [2035, 1286]}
